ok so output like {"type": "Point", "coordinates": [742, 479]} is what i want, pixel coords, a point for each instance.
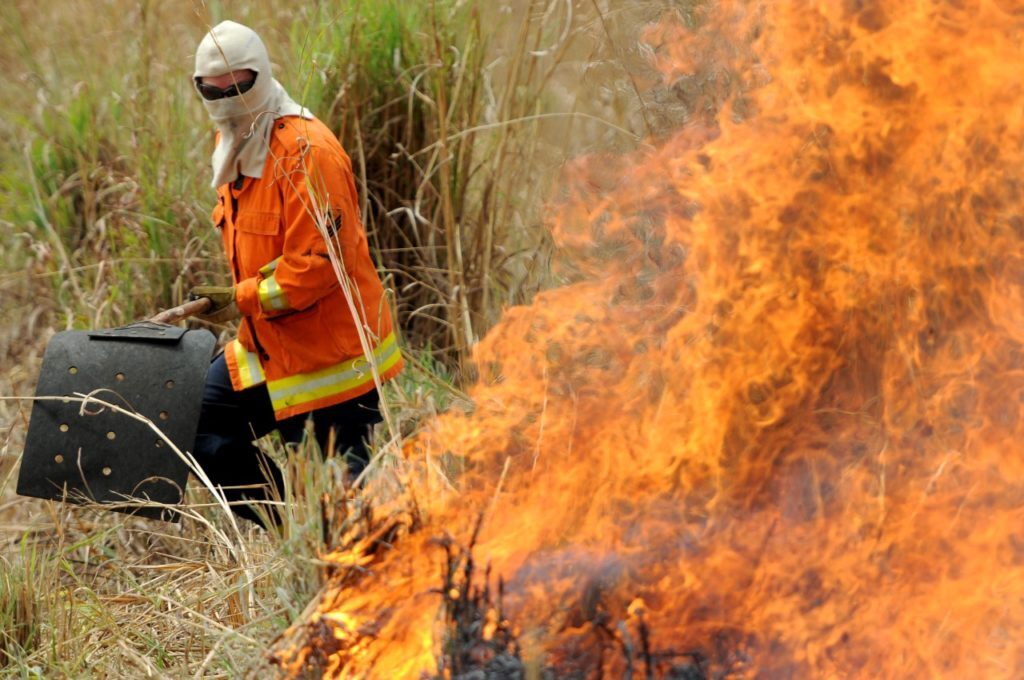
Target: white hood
{"type": "Point", "coordinates": [245, 121]}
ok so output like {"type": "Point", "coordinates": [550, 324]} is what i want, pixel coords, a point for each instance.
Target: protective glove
{"type": "Point", "coordinates": [222, 303]}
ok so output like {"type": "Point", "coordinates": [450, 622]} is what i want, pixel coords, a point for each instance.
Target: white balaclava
{"type": "Point", "coordinates": [246, 120]}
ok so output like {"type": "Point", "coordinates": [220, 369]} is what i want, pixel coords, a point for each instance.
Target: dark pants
{"type": "Point", "coordinates": [230, 421]}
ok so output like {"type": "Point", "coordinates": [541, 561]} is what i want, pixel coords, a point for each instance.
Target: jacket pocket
{"type": "Point", "coordinates": [300, 340]}
{"type": "Point", "coordinates": [260, 223]}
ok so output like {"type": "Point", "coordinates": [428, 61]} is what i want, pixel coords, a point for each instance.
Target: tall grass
{"type": "Point", "coordinates": [457, 114]}
{"type": "Point", "coordinates": [427, 120]}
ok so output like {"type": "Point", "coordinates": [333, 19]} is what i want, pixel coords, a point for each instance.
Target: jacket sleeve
{"type": "Point", "coordinates": [316, 187]}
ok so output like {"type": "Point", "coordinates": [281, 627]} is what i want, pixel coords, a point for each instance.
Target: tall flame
{"type": "Point", "coordinates": [777, 414]}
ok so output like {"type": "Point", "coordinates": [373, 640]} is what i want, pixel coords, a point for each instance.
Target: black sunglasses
{"type": "Point", "coordinates": [212, 92]}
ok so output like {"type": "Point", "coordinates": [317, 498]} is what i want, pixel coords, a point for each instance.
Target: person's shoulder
{"type": "Point", "coordinates": [298, 134]}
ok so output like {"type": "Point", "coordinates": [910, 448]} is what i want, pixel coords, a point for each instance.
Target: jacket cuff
{"type": "Point", "coordinates": [247, 297]}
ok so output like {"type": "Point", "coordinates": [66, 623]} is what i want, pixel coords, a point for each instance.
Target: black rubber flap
{"type": "Point", "coordinates": [143, 331]}
{"type": "Point", "coordinates": [102, 456]}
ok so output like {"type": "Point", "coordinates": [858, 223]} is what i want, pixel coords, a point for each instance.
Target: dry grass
{"type": "Point", "coordinates": [89, 591]}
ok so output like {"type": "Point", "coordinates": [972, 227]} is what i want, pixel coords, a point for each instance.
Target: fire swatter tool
{"type": "Point", "coordinates": [90, 453]}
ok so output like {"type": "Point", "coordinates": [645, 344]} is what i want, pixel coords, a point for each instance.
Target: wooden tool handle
{"type": "Point", "coordinates": [176, 314]}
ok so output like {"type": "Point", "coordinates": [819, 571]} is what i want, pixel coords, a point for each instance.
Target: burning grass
{"type": "Point", "coordinates": [771, 428]}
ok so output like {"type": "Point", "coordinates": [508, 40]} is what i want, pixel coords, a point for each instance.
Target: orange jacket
{"type": "Point", "coordinates": [299, 334]}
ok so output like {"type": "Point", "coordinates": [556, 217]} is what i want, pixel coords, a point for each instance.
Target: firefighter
{"type": "Point", "coordinates": [315, 334]}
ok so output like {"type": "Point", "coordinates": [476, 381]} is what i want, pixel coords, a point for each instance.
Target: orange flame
{"type": "Point", "coordinates": [775, 421]}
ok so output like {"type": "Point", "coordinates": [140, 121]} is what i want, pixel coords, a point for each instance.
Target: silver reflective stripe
{"type": "Point", "coordinates": [254, 368]}
{"type": "Point", "coordinates": [249, 370]}
{"type": "Point", "coordinates": [271, 295]}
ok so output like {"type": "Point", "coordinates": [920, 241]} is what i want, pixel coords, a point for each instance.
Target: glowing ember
{"type": "Point", "coordinates": [774, 427]}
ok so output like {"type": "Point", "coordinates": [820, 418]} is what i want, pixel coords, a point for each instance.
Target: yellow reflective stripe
{"type": "Point", "coordinates": [269, 268]}
{"type": "Point", "coordinates": [356, 369]}
{"type": "Point", "coordinates": [249, 369]}
{"type": "Point", "coordinates": [272, 298]}
{"type": "Point", "coordinates": [306, 387]}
